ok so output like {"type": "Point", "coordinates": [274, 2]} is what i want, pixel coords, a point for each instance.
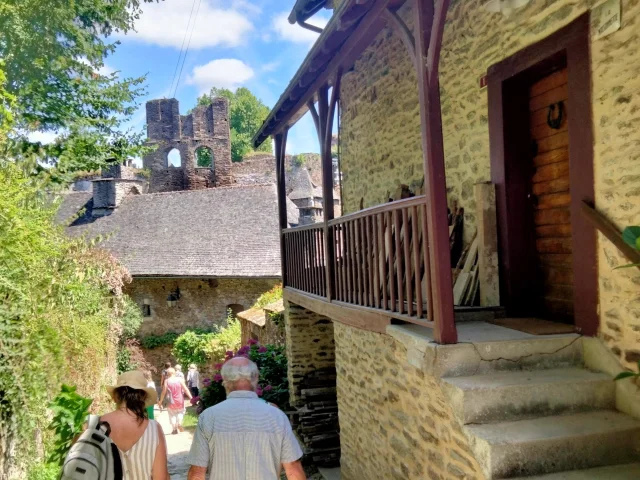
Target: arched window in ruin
{"type": "Point", "coordinates": [173, 158]}
{"type": "Point", "coordinates": [204, 157]}
{"type": "Point", "coordinates": [235, 309]}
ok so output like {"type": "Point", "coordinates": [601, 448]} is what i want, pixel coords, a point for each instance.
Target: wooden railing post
{"type": "Point", "coordinates": [280, 140]}
{"type": "Point", "coordinates": [429, 24]}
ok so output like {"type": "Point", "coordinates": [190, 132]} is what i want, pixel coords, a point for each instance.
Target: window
{"type": "Point", "coordinates": [146, 310]}
{"type": "Point", "coordinates": [173, 158]}
{"type": "Point", "coordinates": [204, 157]}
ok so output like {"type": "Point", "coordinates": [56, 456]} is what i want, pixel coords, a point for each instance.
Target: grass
{"type": "Point", "coordinates": [190, 420]}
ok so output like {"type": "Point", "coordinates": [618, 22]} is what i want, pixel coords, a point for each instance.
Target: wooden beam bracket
{"type": "Point", "coordinates": [401, 29]}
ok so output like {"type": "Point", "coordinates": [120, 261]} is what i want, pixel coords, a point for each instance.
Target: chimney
{"type": "Point", "coordinates": [116, 183]}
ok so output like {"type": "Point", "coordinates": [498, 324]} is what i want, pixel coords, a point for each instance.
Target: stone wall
{"type": "Point", "coordinates": [206, 126]}
{"type": "Point", "coordinates": [203, 302]}
{"type": "Point", "coordinates": [268, 334]}
{"type": "Point", "coordinates": [394, 419]}
{"type": "Point", "coordinates": [310, 345]}
{"type": "Point", "coordinates": [381, 128]}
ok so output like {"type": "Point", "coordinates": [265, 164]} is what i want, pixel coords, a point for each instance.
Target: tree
{"type": "Point", "coordinates": [246, 114]}
{"type": "Point", "coordinates": [50, 80]}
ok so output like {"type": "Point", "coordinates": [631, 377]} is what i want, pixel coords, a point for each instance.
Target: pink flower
{"type": "Point", "coordinates": [262, 350]}
{"type": "Point", "coordinates": [206, 382]}
{"type": "Point", "coordinates": [229, 353]}
{"type": "Point", "coordinates": [217, 377]}
{"type": "Point", "coordinates": [252, 342]}
{"type": "Point", "coordinates": [259, 391]}
{"type": "Point", "coordinates": [243, 351]}
{"type": "Point", "coordinates": [268, 388]}
{"type": "Point", "coordinates": [195, 400]}
{"type": "Point", "coordinates": [217, 366]}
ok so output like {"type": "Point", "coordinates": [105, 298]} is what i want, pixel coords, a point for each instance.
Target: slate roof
{"type": "Point", "coordinates": [217, 232]}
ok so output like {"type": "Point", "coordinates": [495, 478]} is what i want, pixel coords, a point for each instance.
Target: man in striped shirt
{"type": "Point", "coordinates": [244, 438]}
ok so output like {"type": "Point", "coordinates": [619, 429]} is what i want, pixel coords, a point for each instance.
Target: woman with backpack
{"type": "Point", "coordinates": [175, 389]}
{"type": "Point", "coordinates": [140, 441]}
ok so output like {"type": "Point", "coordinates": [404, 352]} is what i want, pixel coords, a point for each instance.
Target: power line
{"type": "Point", "coordinates": [182, 47]}
{"type": "Point", "coordinates": [184, 59]}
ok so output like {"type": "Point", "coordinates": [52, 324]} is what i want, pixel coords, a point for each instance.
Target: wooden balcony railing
{"type": "Point", "coordinates": [305, 264]}
{"type": "Point", "coordinates": [380, 259]}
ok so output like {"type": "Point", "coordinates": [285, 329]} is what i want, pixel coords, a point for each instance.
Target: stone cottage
{"type": "Point", "coordinates": [524, 113]}
{"type": "Point", "coordinates": [196, 242]}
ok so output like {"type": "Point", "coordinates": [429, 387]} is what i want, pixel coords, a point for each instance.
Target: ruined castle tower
{"type": "Point", "coordinates": [206, 127]}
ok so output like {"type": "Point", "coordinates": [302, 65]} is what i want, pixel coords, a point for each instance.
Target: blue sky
{"type": "Point", "coordinates": [234, 43]}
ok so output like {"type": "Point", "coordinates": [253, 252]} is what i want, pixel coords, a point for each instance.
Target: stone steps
{"type": "Point", "coordinates": [629, 471]}
{"type": "Point", "coordinates": [504, 396]}
{"type": "Point", "coordinates": [555, 443]}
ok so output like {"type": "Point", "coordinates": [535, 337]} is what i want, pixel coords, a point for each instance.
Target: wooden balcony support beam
{"type": "Point", "coordinates": [429, 25]}
{"type": "Point", "coordinates": [280, 140]}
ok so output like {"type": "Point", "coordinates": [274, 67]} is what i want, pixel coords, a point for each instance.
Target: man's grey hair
{"type": "Point", "coordinates": [232, 373]}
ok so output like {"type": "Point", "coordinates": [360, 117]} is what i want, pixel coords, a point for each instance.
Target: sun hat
{"type": "Point", "coordinates": [135, 379]}
{"type": "Point", "coordinates": [192, 366]}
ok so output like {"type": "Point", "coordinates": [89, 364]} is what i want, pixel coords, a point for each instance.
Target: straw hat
{"type": "Point", "coordinates": [135, 379]}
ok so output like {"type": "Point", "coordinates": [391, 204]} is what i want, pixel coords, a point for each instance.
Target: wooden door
{"type": "Point", "coordinates": [550, 196]}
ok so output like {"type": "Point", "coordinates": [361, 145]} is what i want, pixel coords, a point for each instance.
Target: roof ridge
{"type": "Point", "coordinates": [224, 187]}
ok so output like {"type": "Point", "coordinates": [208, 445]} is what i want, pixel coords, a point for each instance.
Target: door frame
{"type": "Point", "coordinates": [508, 117]}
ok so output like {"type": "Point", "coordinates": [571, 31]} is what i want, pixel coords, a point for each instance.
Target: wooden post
{"type": "Point", "coordinates": [281, 148]}
{"type": "Point", "coordinates": [429, 21]}
{"type": "Point", "coordinates": [488, 267]}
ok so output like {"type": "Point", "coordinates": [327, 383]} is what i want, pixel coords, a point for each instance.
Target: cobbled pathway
{"type": "Point", "coordinates": [177, 447]}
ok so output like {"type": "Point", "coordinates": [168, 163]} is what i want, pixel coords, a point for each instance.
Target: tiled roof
{"type": "Point", "coordinates": [217, 232]}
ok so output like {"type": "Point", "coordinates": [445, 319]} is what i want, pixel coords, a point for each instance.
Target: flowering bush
{"type": "Point", "coordinates": [273, 385]}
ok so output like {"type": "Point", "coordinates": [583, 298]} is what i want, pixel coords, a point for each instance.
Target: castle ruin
{"type": "Point", "coordinates": [206, 127]}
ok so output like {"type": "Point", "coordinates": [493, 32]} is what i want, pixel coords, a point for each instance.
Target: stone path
{"type": "Point", "coordinates": [177, 447]}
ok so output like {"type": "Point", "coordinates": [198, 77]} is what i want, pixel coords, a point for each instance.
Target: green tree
{"type": "Point", "coordinates": [246, 114]}
{"type": "Point", "coordinates": [52, 54]}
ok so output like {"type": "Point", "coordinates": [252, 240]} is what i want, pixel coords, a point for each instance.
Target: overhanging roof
{"type": "Point", "coordinates": [350, 30]}
{"type": "Point", "coordinates": [304, 9]}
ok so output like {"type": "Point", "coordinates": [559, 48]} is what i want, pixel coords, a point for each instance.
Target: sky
{"type": "Point", "coordinates": [233, 43]}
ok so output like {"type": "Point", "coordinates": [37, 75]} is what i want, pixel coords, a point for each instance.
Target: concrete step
{"type": "Point", "coordinates": [504, 396]}
{"type": "Point", "coordinates": [628, 471]}
{"type": "Point", "coordinates": [555, 444]}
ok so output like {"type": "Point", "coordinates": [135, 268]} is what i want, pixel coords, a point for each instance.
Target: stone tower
{"type": "Point", "coordinates": [207, 126]}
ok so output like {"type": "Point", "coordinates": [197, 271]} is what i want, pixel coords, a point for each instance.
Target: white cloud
{"type": "Point", "coordinates": [222, 73]}
{"type": "Point", "coordinates": [296, 33]}
{"type": "Point", "coordinates": [270, 67]}
{"type": "Point", "coordinates": [106, 70]}
{"type": "Point", "coordinates": [42, 137]}
{"type": "Point", "coordinates": [165, 23]}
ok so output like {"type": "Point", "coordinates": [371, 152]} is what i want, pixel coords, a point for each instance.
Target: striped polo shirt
{"type": "Point", "coordinates": [243, 438]}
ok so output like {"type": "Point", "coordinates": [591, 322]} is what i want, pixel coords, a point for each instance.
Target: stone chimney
{"type": "Point", "coordinates": [116, 183]}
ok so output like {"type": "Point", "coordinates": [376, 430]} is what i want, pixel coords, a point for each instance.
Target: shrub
{"type": "Point", "coordinates": [61, 316]}
{"type": "Point", "coordinates": [201, 348]}
{"type": "Point", "coordinates": [70, 411]}
{"type": "Point", "coordinates": [271, 296]}
{"type": "Point", "coordinates": [273, 385]}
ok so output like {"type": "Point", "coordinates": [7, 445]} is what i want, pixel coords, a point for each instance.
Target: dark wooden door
{"type": "Point", "coordinates": [550, 196]}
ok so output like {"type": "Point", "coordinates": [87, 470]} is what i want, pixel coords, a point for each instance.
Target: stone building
{"type": "Point", "coordinates": [519, 115]}
{"type": "Point", "coordinates": [211, 250]}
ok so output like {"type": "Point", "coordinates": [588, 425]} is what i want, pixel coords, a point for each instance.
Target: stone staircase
{"type": "Point", "coordinates": [532, 410]}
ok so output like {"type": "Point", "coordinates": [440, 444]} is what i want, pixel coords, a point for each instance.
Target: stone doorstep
{"type": "Point", "coordinates": [330, 473]}
{"type": "Point", "coordinates": [628, 471]}
{"type": "Point", "coordinates": [511, 350]}
{"type": "Point", "coordinates": [555, 444]}
{"type": "Point", "coordinates": [506, 396]}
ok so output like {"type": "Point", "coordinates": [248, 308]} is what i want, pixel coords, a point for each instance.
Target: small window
{"type": "Point", "coordinates": [204, 157]}
{"type": "Point", "coordinates": [146, 310]}
{"type": "Point", "coordinates": [173, 158]}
